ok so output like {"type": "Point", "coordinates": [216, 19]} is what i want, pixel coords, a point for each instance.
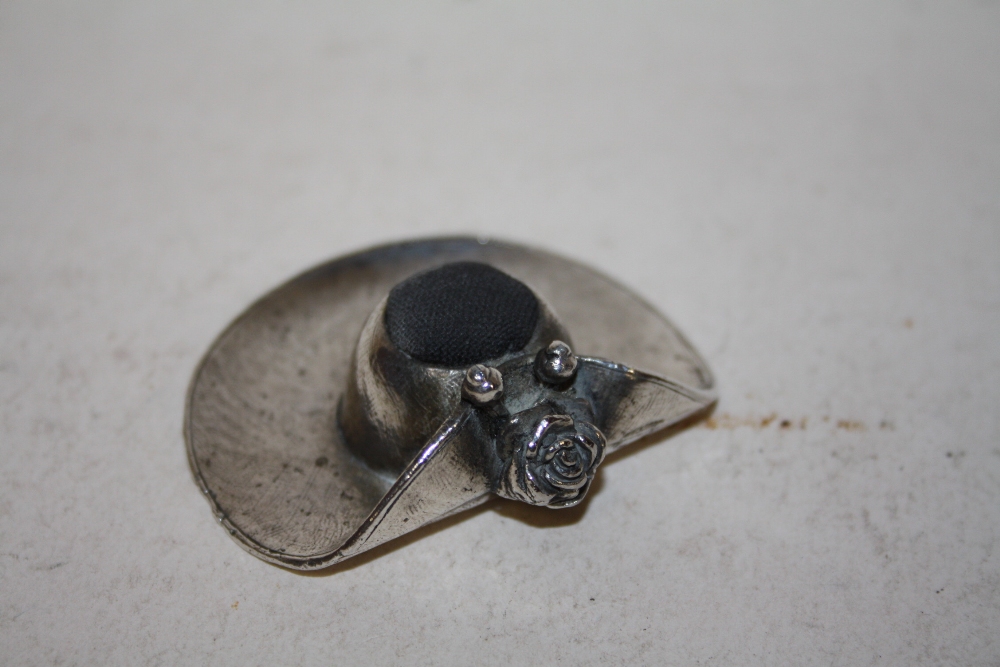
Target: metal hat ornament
{"type": "Point", "coordinates": [391, 388]}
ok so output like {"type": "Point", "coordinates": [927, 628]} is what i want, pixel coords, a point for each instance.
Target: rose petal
{"type": "Point", "coordinates": [568, 485]}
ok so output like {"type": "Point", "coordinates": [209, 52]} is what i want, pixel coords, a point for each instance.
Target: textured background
{"type": "Point", "coordinates": [811, 193]}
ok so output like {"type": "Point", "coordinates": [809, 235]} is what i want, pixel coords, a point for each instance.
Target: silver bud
{"type": "Point", "coordinates": [556, 364]}
{"type": "Point", "coordinates": [482, 385]}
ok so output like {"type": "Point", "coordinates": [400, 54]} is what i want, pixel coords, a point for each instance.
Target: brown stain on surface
{"type": "Point", "coordinates": [851, 425]}
{"type": "Point", "coordinates": [730, 422]}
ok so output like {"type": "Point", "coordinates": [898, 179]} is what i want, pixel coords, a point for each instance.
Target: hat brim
{"type": "Point", "coordinates": [261, 426]}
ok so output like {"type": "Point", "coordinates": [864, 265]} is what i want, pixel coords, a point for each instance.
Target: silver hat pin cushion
{"type": "Point", "coordinates": [391, 388]}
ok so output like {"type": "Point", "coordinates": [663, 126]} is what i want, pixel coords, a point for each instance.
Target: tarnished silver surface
{"type": "Point", "coordinates": [266, 405]}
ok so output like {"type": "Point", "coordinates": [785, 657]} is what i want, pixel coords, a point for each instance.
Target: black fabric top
{"type": "Point", "coordinates": [460, 314]}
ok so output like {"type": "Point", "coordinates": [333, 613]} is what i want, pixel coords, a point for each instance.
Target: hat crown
{"type": "Point", "coordinates": [459, 314]}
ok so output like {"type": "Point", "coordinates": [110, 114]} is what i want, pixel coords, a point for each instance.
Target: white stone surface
{"type": "Point", "coordinates": [811, 192]}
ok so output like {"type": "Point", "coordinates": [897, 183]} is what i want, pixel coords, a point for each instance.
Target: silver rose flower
{"type": "Point", "coordinates": [555, 465]}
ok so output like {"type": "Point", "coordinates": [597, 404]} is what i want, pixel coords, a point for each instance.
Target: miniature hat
{"type": "Point", "coordinates": [390, 388]}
